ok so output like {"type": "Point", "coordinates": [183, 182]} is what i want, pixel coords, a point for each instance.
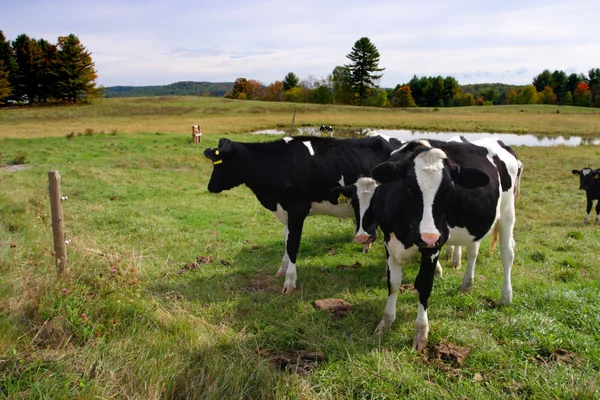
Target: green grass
{"type": "Point", "coordinates": [139, 212]}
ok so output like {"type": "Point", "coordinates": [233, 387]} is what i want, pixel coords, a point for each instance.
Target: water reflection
{"type": "Point", "coordinates": [510, 139]}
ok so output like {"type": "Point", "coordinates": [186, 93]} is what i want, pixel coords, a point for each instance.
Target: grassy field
{"type": "Point", "coordinates": [172, 292]}
{"type": "Point", "coordinates": [221, 116]}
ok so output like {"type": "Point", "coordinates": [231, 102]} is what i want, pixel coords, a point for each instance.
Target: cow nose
{"type": "Point", "coordinates": [363, 239]}
{"type": "Point", "coordinates": [430, 238]}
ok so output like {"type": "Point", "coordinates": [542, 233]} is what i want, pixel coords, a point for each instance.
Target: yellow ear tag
{"type": "Point", "coordinates": [217, 162]}
{"type": "Point", "coordinates": [217, 152]}
{"type": "Point", "coordinates": [342, 200]}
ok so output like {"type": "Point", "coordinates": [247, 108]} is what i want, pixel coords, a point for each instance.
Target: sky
{"type": "Point", "coordinates": [152, 42]}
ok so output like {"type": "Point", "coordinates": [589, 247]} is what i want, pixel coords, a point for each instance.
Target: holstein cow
{"type": "Point", "coordinates": [292, 178]}
{"type": "Point", "coordinates": [440, 193]}
{"type": "Point", "coordinates": [326, 129]}
{"type": "Point", "coordinates": [589, 180]}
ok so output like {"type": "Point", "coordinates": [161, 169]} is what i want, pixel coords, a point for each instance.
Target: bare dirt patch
{"type": "Point", "coordinates": [337, 308]}
{"type": "Point", "coordinates": [301, 362]}
{"type": "Point", "coordinates": [14, 168]}
{"type": "Point", "coordinates": [559, 356]}
{"type": "Point", "coordinates": [448, 353]}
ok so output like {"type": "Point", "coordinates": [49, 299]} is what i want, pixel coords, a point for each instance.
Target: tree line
{"type": "Point", "coordinates": [37, 71]}
{"type": "Point", "coordinates": [356, 83]}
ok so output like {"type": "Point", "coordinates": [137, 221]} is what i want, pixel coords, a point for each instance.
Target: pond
{"type": "Point", "coordinates": [510, 139]}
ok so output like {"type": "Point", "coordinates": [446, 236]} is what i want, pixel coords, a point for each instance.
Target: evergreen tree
{"type": "Point", "coordinates": [5, 87]}
{"type": "Point", "coordinates": [567, 99]}
{"type": "Point", "coordinates": [364, 67]}
{"type": "Point", "coordinates": [8, 58]}
{"type": "Point", "coordinates": [75, 70]}
{"type": "Point", "coordinates": [290, 81]}
{"type": "Point", "coordinates": [28, 56]}
{"type": "Point", "coordinates": [48, 67]}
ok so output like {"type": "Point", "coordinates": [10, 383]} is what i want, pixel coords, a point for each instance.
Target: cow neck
{"type": "Point", "coordinates": [251, 163]}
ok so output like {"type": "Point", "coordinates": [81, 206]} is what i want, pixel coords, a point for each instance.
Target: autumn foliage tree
{"type": "Point", "coordinates": [5, 88]}
{"type": "Point", "coordinates": [275, 91]}
{"type": "Point", "coordinates": [403, 97]}
{"type": "Point", "coordinates": [582, 95]}
{"type": "Point", "coordinates": [547, 96]}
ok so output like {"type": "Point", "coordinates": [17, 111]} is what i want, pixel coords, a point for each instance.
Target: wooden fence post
{"type": "Point", "coordinates": [60, 248]}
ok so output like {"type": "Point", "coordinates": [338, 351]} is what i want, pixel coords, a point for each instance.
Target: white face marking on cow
{"type": "Point", "coordinates": [365, 188]}
{"type": "Point", "coordinates": [429, 167]}
{"type": "Point", "coordinates": [287, 139]}
{"type": "Point", "coordinates": [309, 147]}
{"type": "Point", "coordinates": [586, 171]}
{"type": "Point", "coordinates": [341, 181]}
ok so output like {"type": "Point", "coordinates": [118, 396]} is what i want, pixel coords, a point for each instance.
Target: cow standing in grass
{"type": "Point", "coordinates": [438, 193]}
{"type": "Point", "coordinates": [292, 177]}
{"type": "Point", "coordinates": [589, 180]}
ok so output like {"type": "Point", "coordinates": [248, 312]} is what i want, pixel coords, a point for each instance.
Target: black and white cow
{"type": "Point", "coordinates": [438, 193]}
{"type": "Point", "coordinates": [292, 177]}
{"type": "Point", "coordinates": [589, 180]}
{"type": "Point", "coordinates": [326, 129]}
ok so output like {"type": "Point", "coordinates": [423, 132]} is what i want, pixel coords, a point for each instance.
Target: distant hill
{"type": "Point", "coordinates": [217, 89]}
{"type": "Point", "coordinates": [501, 87]}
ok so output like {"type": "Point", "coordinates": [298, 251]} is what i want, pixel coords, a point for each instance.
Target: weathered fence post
{"type": "Point", "coordinates": [293, 120]}
{"type": "Point", "coordinates": [60, 248]}
{"type": "Point", "coordinates": [196, 134]}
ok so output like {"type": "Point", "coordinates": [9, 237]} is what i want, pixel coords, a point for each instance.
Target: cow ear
{"type": "Point", "coordinates": [575, 172]}
{"type": "Point", "coordinates": [216, 155]}
{"type": "Point", "coordinates": [387, 172]}
{"type": "Point", "coordinates": [341, 195]}
{"type": "Point", "coordinates": [469, 178]}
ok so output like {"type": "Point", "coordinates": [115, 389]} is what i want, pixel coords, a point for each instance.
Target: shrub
{"type": "Point", "coordinates": [20, 158]}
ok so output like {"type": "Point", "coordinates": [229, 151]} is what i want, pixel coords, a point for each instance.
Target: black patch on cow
{"type": "Point", "coordinates": [505, 179]}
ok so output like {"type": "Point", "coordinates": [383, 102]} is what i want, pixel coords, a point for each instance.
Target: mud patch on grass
{"type": "Point", "coordinates": [337, 308]}
{"type": "Point", "coordinates": [353, 266]}
{"type": "Point", "coordinates": [559, 356]}
{"type": "Point", "coordinates": [448, 353]}
{"type": "Point", "coordinates": [300, 362]}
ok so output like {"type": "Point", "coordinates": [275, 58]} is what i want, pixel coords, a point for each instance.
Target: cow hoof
{"type": "Point", "coordinates": [287, 290]}
{"type": "Point", "coordinates": [466, 286]}
{"type": "Point", "coordinates": [420, 342]}
{"type": "Point", "coordinates": [382, 326]}
{"type": "Point", "coordinates": [279, 273]}
{"type": "Point", "coordinates": [456, 266]}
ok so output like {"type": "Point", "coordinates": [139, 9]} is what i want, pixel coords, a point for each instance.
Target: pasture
{"type": "Point", "coordinates": [172, 292]}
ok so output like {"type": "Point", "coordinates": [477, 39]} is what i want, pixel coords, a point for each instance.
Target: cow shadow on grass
{"type": "Point", "coordinates": [242, 297]}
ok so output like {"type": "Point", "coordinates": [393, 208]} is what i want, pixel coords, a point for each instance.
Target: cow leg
{"type": "Point", "coordinates": [507, 253]}
{"type": "Point", "coordinates": [469, 277]}
{"type": "Point", "coordinates": [423, 286]}
{"type": "Point", "coordinates": [296, 216]}
{"type": "Point", "coordinates": [286, 258]}
{"type": "Point", "coordinates": [588, 210]}
{"type": "Point", "coordinates": [597, 220]}
{"type": "Point", "coordinates": [456, 257]}
{"type": "Point", "coordinates": [394, 279]}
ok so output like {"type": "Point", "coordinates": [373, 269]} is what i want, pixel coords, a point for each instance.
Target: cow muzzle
{"type": "Point", "coordinates": [430, 239]}
{"type": "Point", "coordinates": [364, 239]}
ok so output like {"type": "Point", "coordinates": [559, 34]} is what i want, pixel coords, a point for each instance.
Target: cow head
{"type": "Point", "coordinates": [225, 173]}
{"type": "Point", "coordinates": [359, 195]}
{"type": "Point", "coordinates": [426, 180]}
{"type": "Point", "coordinates": [587, 176]}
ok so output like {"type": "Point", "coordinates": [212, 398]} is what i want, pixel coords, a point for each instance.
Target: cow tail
{"type": "Point", "coordinates": [495, 236]}
{"type": "Point", "coordinates": [518, 181]}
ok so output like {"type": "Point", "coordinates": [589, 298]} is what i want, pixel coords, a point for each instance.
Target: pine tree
{"type": "Point", "coordinates": [75, 70]}
{"type": "Point", "coordinates": [5, 87]}
{"type": "Point", "coordinates": [290, 81]}
{"type": "Point", "coordinates": [8, 58]}
{"type": "Point", "coordinates": [48, 75]}
{"type": "Point", "coordinates": [28, 56]}
{"type": "Point", "coordinates": [364, 67]}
